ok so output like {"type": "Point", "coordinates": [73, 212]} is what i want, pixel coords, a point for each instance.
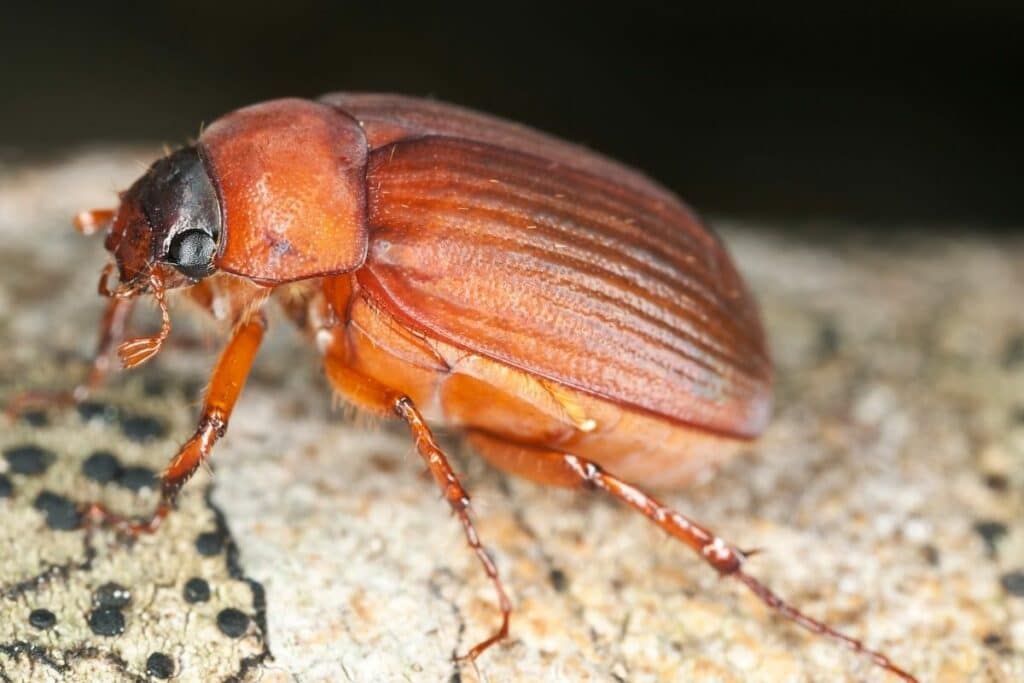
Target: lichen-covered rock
{"type": "Point", "coordinates": [888, 494]}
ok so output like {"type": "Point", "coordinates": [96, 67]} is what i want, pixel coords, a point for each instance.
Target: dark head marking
{"type": "Point", "coordinates": [170, 215]}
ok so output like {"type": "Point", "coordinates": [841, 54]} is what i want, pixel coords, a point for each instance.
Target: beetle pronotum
{"type": "Point", "coordinates": [572, 317]}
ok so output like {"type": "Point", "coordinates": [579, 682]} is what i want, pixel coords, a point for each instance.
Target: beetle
{"type": "Point", "coordinates": [573, 318]}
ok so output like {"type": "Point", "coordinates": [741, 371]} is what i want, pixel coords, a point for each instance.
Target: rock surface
{"type": "Point", "coordinates": [887, 494]}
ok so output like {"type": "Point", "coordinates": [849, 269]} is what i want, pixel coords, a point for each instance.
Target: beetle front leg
{"type": "Point", "coordinates": [226, 384]}
{"type": "Point", "coordinates": [112, 333]}
{"type": "Point", "coordinates": [372, 395]}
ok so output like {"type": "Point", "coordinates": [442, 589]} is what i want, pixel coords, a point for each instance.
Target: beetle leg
{"type": "Point", "coordinates": [369, 393]}
{"type": "Point", "coordinates": [564, 469]}
{"type": "Point", "coordinates": [111, 334]}
{"type": "Point", "coordinates": [93, 220]}
{"type": "Point", "coordinates": [226, 384]}
{"type": "Point", "coordinates": [458, 499]}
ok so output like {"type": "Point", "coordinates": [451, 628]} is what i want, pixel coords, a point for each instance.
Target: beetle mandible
{"type": "Point", "coordinates": [572, 317]}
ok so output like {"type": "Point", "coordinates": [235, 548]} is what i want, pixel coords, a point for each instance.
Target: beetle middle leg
{"type": "Point", "coordinates": [371, 394]}
{"type": "Point", "coordinates": [226, 384]}
{"type": "Point", "coordinates": [567, 470]}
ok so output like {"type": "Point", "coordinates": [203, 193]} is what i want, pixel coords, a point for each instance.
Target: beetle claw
{"type": "Point", "coordinates": [98, 515]}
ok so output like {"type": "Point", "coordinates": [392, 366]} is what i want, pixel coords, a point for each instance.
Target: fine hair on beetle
{"type": "Point", "coordinates": [458, 270]}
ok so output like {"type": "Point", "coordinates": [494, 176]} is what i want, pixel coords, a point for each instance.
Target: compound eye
{"type": "Point", "coordinates": [192, 253]}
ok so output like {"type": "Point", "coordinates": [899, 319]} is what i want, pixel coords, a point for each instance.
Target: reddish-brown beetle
{"type": "Point", "coordinates": [570, 315]}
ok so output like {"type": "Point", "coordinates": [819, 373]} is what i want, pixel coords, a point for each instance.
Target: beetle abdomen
{"type": "Point", "coordinates": [483, 396]}
{"type": "Point", "coordinates": [568, 275]}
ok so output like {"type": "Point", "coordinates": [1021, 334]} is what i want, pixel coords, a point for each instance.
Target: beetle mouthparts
{"type": "Point", "coordinates": [123, 290]}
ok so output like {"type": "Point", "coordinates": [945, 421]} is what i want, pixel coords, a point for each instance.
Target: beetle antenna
{"type": "Point", "coordinates": [137, 351]}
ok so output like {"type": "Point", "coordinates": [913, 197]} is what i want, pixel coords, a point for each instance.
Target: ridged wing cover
{"type": "Point", "coordinates": [560, 262]}
{"type": "Point", "coordinates": [388, 118]}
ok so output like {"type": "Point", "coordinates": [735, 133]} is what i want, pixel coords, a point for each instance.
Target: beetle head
{"type": "Point", "coordinates": [168, 226]}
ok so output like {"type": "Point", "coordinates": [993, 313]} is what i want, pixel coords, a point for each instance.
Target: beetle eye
{"type": "Point", "coordinates": [192, 253]}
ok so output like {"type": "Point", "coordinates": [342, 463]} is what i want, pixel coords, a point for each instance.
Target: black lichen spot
{"type": "Point", "coordinates": [210, 543]}
{"type": "Point", "coordinates": [142, 428]}
{"type": "Point", "coordinates": [96, 410]}
{"type": "Point", "coordinates": [990, 531]}
{"type": "Point", "coordinates": [196, 590]}
{"type": "Point", "coordinates": [232, 622]}
{"type": "Point", "coordinates": [828, 340]}
{"type": "Point", "coordinates": [106, 621]}
{"type": "Point", "coordinates": [111, 594]}
{"type": "Point", "coordinates": [1013, 355]}
{"type": "Point", "coordinates": [931, 554]}
{"type": "Point", "coordinates": [160, 665]}
{"type": "Point", "coordinates": [101, 466]}
{"type": "Point", "coordinates": [137, 478]}
{"type": "Point", "coordinates": [997, 482]}
{"type": "Point", "coordinates": [992, 640]}
{"type": "Point", "coordinates": [1013, 582]}
{"type": "Point", "coordinates": [42, 619]}
{"type": "Point", "coordinates": [28, 459]}
{"type": "Point", "coordinates": [558, 580]}
{"type": "Point", "coordinates": [61, 513]}
{"type": "Point", "coordinates": [46, 499]}
{"type": "Point", "coordinates": [35, 418]}
{"type": "Point", "coordinates": [193, 387]}
{"type": "Point", "coordinates": [6, 486]}
{"type": "Point", "coordinates": [154, 386]}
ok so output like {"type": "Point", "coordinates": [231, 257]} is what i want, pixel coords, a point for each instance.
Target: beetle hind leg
{"type": "Point", "coordinates": [568, 470]}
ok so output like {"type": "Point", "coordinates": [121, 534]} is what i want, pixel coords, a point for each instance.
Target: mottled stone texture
{"type": "Point", "coordinates": [887, 494]}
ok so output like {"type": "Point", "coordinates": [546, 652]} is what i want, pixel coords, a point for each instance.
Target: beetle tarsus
{"type": "Point", "coordinates": [726, 559]}
{"type": "Point", "coordinates": [98, 515]}
{"type": "Point", "coordinates": [769, 598]}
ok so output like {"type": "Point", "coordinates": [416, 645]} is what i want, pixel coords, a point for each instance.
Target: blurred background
{"type": "Point", "coordinates": [905, 115]}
